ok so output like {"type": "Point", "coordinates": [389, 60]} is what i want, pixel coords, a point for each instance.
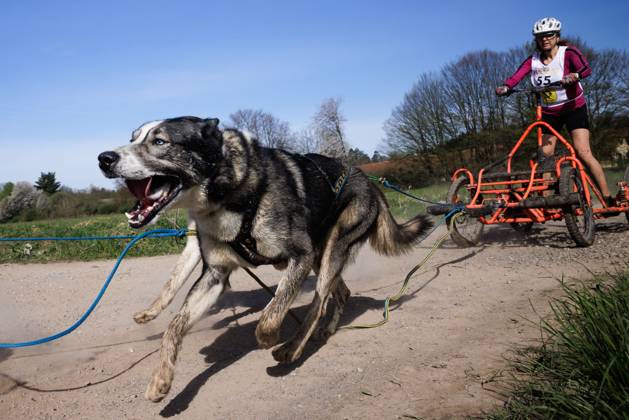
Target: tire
{"type": "Point", "coordinates": [581, 227]}
{"type": "Point", "coordinates": [626, 179]}
{"type": "Point", "coordinates": [466, 231]}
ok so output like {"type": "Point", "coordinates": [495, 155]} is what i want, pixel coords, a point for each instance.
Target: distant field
{"type": "Point", "coordinates": [83, 250]}
{"type": "Point", "coordinates": [23, 252]}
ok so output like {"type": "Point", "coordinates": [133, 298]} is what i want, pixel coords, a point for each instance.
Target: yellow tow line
{"type": "Point", "coordinates": [404, 288]}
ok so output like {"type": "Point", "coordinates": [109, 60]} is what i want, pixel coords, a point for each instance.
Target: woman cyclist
{"type": "Point", "coordinates": [555, 62]}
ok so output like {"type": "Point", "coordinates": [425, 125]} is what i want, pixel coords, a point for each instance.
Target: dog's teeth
{"type": "Point", "coordinates": [140, 217]}
{"type": "Point", "coordinates": [129, 215]}
{"type": "Point", "coordinates": [159, 194]}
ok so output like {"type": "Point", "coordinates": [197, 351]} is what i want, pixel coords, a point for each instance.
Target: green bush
{"type": "Point", "coordinates": [6, 191]}
{"type": "Point", "coordinates": [64, 203]}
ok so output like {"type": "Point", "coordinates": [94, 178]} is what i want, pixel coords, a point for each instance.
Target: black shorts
{"type": "Point", "coordinates": [573, 119]}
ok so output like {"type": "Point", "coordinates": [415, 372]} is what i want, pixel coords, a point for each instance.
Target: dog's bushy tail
{"type": "Point", "coordinates": [391, 238]}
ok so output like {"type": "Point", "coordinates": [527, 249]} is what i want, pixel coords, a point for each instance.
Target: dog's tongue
{"type": "Point", "coordinates": [140, 188]}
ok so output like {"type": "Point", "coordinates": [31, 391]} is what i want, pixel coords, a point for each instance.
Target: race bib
{"type": "Point", "coordinates": [547, 74]}
{"type": "Point", "coordinates": [549, 98]}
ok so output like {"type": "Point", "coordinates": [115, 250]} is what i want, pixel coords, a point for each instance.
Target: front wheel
{"type": "Point", "coordinates": [466, 230]}
{"type": "Point", "coordinates": [580, 226]}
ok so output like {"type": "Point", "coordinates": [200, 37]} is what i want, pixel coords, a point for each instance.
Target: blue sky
{"type": "Point", "coordinates": [79, 76]}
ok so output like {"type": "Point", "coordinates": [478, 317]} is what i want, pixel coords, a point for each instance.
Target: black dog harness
{"type": "Point", "coordinates": [245, 245]}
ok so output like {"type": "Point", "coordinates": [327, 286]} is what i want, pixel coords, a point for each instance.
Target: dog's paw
{"type": "Point", "coordinates": [159, 385]}
{"type": "Point", "coordinates": [267, 338]}
{"type": "Point", "coordinates": [321, 334]}
{"type": "Point", "coordinates": [286, 353]}
{"type": "Point", "coordinates": [143, 317]}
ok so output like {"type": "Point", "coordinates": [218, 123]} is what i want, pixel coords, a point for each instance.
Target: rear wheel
{"type": "Point", "coordinates": [579, 217]}
{"type": "Point", "coordinates": [466, 230]}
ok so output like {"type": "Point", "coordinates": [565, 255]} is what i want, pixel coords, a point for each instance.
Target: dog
{"type": "Point", "coordinates": [250, 206]}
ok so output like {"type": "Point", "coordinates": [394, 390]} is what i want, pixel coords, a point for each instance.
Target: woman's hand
{"type": "Point", "coordinates": [569, 79]}
{"type": "Point", "coordinates": [502, 90]}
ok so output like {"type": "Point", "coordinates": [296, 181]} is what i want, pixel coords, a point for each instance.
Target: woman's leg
{"type": "Point", "coordinates": [548, 150]}
{"type": "Point", "coordinates": [548, 144]}
{"type": "Point", "coordinates": [581, 140]}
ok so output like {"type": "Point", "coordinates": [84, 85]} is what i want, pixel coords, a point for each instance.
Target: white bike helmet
{"type": "Point", "coordinates": [547, 24]}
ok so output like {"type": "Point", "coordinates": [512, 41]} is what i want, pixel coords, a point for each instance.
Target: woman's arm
{"type": "Point", "coordinates": [577, 63]}
{"type": "Point", "coordinates": [520, 73]}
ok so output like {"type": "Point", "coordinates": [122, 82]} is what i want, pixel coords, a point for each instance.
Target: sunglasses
{"type": "Point", "coordinates": [546, 35]}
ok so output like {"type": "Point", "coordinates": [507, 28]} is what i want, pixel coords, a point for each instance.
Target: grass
{"type": "Point", "coordinates": [580, 369]}
{"type": "Point", "coordinates": [404, 207]}
{"type": "Point", "coordinates": [40, 252]}
{"type": "Point", "coordinates": [108, 225]}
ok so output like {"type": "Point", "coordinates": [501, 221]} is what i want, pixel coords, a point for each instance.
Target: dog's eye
{"type": "Point", "coordinates": [159, 142]}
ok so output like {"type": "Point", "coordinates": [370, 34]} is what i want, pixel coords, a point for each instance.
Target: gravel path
{"type": "Point", "coordinates": [435, 358]}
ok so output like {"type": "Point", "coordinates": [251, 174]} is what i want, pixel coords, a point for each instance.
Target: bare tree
{"type": "Point", "coordinates": [469, 83]}
{"type": "Point", "coordinates": [306, 141]}
{"type": "Point", "coordinates": [328, 127]}
{"type": "Point", "coordinates": [423, 120]}
{"type": "Point", "coordinates": [269, 130]}
{"type": "Point", "coordinates": [518, 109]}
{"type": "Point", "coordinates": [606, 88]}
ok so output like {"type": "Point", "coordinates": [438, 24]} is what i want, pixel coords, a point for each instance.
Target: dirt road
{"type": "Point", "coordinates": [446, 339]}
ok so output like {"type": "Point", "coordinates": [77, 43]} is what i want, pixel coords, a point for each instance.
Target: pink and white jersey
{"type": "Point", "coordinates": [546, 74]}
{"type": "Point", "coordinates": [568, 60]}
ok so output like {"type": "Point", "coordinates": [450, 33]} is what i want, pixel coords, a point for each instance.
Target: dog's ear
{"type": "Point", "coordinates": [210, 127]}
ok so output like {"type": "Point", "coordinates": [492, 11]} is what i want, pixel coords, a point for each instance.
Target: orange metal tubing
{"type": "Point", "coordinates": [480, 177]}
{"type": "Point", "coordinates": [467, 172]}
{"type": "Point", "coordinates": [526, 133]}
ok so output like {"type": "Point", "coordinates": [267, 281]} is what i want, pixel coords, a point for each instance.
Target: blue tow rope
{"type": "Point", "coordinates": [156, 233]}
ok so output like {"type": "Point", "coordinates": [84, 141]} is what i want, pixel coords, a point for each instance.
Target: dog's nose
{"type": "Point", "coordinates": [107, 159]}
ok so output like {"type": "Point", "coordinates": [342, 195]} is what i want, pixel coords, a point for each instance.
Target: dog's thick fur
{"type": "Point", "coordinates": [252, 205]}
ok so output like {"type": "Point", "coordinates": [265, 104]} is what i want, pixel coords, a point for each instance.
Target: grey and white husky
{"type": "Point", "coordinates": [250, 206]}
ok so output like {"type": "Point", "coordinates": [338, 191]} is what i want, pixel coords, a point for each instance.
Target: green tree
{"type": "Point", "coordinates": [7, 189]}
{"type": "Point", "coordinates": [357, 157]}
{"type": "Point", "coordinates": [47, 182]}
{"type": "Point", "coordinates": [378, 156]}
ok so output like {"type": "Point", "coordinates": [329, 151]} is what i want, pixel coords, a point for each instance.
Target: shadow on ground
{"type": "Point", "coordinates": [5, 353]}
{"type": "Point", "coordinates": [239, 340]}
{"type": "Point", "coordinates": [551, 236]}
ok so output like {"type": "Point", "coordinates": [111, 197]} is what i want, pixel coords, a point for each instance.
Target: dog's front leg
{"type": "Point", "coordinates": [340, 293]}
{"type": "Point", "coordinates": [186, 263]}
{"type": "Point", "coordinates": [268, 329]}
{"type": "Point", "coordinates": [201, 297]}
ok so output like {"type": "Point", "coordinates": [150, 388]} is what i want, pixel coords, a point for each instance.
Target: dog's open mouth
{"type": "Point", "coordinates": [153, 194]}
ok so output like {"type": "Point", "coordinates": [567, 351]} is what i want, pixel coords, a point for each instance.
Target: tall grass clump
{"type": "Point", "coordinates": [581, 367]}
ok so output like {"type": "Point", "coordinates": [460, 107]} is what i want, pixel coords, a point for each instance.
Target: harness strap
{"type": "Point", "coordinates": [245, 244]}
